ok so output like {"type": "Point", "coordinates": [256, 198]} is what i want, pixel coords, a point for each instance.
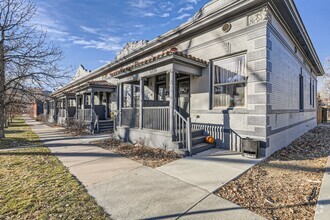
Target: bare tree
{"type": "Point", "coordinates": [325, 90]}
{"type": "Point", "coordinates": [27, 59]}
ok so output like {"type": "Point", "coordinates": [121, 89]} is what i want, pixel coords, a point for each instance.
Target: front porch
{"type": "Point", "coordinates": [89, 104]}
{"type": "Point", "coordinates": [154, 102]}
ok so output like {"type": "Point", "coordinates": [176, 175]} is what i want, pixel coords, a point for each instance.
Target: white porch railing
{"type": "Point", "coordinates": [182, 131]}
{"type": "Point", "coordinates": [88, 115]}
{"type": "Point", "coordinates": [156, 118]}
{"type": "Point", "coordinates": [62, 113]}
{"type": "Point", "coordinates": [84, 115]}
{"type": "Point", "coordinates": [51, 112]}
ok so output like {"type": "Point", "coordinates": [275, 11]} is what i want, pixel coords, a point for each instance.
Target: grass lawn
{"type": "Point", "coordinates": [35, 185]}
{"type": "Point", "coordinates": [18, 134]}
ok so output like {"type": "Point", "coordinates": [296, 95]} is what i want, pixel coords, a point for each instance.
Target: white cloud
{"type": "Point", "coordinates": [148, 14]}
{"type": "Point", "coordinates": [192, 1]}
{"type": "Point", "coordinates": [139, 26]}
{"type": "Point", "coordinates": [141, 4]}
{"type": "Point", "coordinates": [182, 16]}
{"type": "Point", "coordinates": [89, 29]}
{"type": "Point", "coordinates": [165, 15]}
{"type": "Point", "coordinates": [187, 8]}
{"type": "Point", "coordinates": [166, 6]}
{"type": "Point", "coordinates": [106, 43]}
{"type": "Point", "coordinates": [104, 61]}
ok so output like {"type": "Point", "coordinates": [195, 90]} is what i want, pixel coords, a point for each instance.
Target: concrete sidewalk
{"type": "Point", "coordinates": [209, 170]}
{"type": "Point", "coordinates": [322, 211]}
{"type": "Point", "coordinates": [129, 190]}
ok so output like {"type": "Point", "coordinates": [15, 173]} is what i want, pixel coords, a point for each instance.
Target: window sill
{"type": "Point", "coordinates": [231, 110]}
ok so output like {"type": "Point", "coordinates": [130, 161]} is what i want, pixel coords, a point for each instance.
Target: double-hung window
{"type": "Point", "coordinates": [301, 92]}
{"type": "Point", "coordinates": [229, 82]}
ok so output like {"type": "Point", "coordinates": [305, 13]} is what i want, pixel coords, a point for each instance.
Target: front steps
{"type": "Point", "coordinates": [199, 142]}
{"type": "Point", "coordinates": [106, 126]}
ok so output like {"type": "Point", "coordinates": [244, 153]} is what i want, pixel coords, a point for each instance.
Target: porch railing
{"type": "Point", "coordinates": [223, 137]}
{"type": "Point", "coordinates": [51, 112]}
{"type": "Point", "coordinates": [62, 113]}
{"type": "Point", "coordinates": [84, 115]}
{"type": "Point", "coordinates": [156, 118]}
{"type": "Point", "coordinates": [182, 131]}
{"type": "Point", "coordinates": [130, 117]}
{"type": "Point", "coordinates": [88, 115]}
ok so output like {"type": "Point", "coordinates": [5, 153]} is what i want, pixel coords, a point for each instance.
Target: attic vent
{"type": "Point", "coordinates": [226, 27]}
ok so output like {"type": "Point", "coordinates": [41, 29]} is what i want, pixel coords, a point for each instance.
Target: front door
{"type": "Point", "coordinates": [183, 94]}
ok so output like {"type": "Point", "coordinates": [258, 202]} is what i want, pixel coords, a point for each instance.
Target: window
{"type": "Point", "coordinates": [161, 92]}
{"type": "Point", "coordinates": [136, 96]}
{"type": "Point", "coordinates": [229, 82]}
{"type": "Point", "coordinates": [88, 100]}
{"type": "Point", "coordinates": [313, 94]}
{"type": "Point", "coordinates": [301, 92]}
{"type": "Point", "coordinates": [161, 88]}
{"type": "Point", "coordinates": [310, 92]}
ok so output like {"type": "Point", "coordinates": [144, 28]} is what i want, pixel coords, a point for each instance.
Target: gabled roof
{"type": "Point", "coordinates": [80, 73]}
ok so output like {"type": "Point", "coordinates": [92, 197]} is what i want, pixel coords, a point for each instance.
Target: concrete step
{"type": "Point", "coordinates": [201, 147]}
{"type": "Point", "coordinates": [198, 140]}
{"type": "Point", "coordinates": [197, 133]}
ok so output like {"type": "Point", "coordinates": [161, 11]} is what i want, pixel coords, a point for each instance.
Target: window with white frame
{"type": "Point", "coordinates": [229, 82]}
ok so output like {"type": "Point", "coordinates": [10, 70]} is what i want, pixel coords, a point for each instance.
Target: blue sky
{"type": "Point", "coordinates": [92, 32]}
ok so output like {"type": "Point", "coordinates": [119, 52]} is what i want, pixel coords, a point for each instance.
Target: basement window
{"type": "Point", "coordinates": [229, 82]}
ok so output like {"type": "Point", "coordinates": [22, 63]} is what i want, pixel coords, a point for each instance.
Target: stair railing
{"type": "Point", "coordinates": [182, 131]}
{"type": "Point", "coordinates": [96, 121]}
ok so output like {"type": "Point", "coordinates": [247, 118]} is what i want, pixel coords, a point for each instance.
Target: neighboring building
{"type": "Point", "coordinates": [238, 69]}
{"type": "Point", "coordinates": [36, 103]}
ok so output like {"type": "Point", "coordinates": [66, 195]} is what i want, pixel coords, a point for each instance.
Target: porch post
{"type": "Point", "coordinates": [67, 108]}
{"type": "Point", "coordinates": [92, 104]}
{"type": "Point", "coordinates": [83, 106]}
{"type": "Point", "coordinates": [77, 107]}
{"type": "Point", "coordinates": [172, 100]}
{"type": "Point", "coordinates": [141, 103]}
{"type": "Point", "coordinates": [106, 94]}
{"type": "Point", "coordinates": [120, 103]}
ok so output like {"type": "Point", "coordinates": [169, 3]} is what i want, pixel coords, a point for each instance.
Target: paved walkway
{"type": "Point", "coordinates": [129, 190]}
{"type": "Point", "coordinates": [322, 211]}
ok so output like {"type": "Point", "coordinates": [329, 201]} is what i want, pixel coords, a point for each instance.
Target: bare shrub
{"type": "Point", "coordinates": [140, 151]}
{"type": "Point", "coordinates": [76, 127]}
{"type": "Point", "coordinates": [42, 118]}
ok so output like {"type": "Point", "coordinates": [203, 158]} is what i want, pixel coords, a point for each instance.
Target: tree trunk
{"type": "Point", "coordinates": [2, 87]}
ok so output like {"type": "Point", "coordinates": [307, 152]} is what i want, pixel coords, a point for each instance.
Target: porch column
{"type": "Point", "coordinates": [83, 101]}
{"type": "Point", "coordinates": [77, 107]}
{"type": "Point", "coordinates": [172, 99]}
{"type": "Point", "coordinates": [105, 94]}
{"type": "Point", "coordinates": [67, 103]}
{"type": "Point", "coordinates": [83, 106]}
{"type": "Point", "coordinates": [132, 96]}
{"type": "Point", "coordinates": [92, 104]}
{"type": "Point", "coordinates": [120, 103]}
{"type": "Point", "coordinates": [141, 103]}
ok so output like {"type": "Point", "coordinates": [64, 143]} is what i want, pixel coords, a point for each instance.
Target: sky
{"type": "Point", "coordinates": [91, 33]}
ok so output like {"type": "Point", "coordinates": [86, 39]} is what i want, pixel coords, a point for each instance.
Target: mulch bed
{"type": "Point", "coordinates": [148, 156]}
{"type": "Point", "coordinates": [287, 184]}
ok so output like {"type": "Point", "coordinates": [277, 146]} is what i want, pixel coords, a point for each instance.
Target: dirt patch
{"type": "Point", "coordinates": [148, 156]}
{"type": "Point", "coordinates": [287, 184]}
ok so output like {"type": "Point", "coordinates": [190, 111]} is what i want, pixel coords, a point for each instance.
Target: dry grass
{"type": "Point", "coordinates": [18, 134]}
{"type": "Point", "coordinates": [148, 156]}
{"type": "Point", "coordinates": [286, 185]}
{"type": "Point", "coordinates": [35, 185]}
